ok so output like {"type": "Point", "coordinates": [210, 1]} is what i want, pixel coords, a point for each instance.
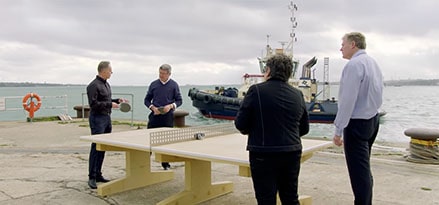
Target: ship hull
{"type": "Point", "coordinates": [223, 107]}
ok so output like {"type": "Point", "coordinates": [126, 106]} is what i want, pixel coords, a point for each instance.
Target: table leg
{"type": "Point", "coordinates": [305, 157]}
{"type": "Point", "coordinates": [138, 173]}
{"type": "Point", "coordinates": [198, 185]}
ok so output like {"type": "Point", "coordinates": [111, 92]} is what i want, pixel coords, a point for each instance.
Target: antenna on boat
{"type": "Point", "coordinates": [293, 8]}
{"type": "Point", "coordinates": [288, 50]}
{"type": "Point", "coordinates": [282, 43]}
{"type": "Point", "coordinates": [326, 87]}
{"type": "Point", "coordinates": [268, 47]}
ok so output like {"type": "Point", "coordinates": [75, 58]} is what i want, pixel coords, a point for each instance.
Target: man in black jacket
{"type": "Point", "coordinates": [99, 99]}
{"type": "Point", "coordinates": [274, 116]}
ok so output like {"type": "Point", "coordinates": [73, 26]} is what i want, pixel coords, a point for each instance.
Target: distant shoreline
{"type": "Point", "coordinates": [406, 82]}
{"type": "Point", "coordinates": [28, 84]}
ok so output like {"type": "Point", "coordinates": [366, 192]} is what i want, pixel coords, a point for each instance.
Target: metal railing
{"type": "Point", "coordinates": [4, 103]}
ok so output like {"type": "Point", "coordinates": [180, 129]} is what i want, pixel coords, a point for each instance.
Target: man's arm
{"type": "Point", "coordinates": [148, 97]}
{"type": "Point", "coordinates": [348, 93]}
{"type": "Point", "coordinates": [178, 99]}
{"type": "Point", "coordinates": [244, 115]}
{"type": "Point", "coordinates": [304, 122]}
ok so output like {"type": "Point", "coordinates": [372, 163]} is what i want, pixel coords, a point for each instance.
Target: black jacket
{"type": "Point", "coordinates": [274, 116]}
{"type": "Point", "coordinates": [99, 96]}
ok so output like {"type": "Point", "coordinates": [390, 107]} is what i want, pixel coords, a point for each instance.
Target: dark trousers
{"type": "Point", "coordinates": [166, 120]}
{"type": "Point", "coordinates": [273, 172]}
{"type": "Point", "coordinates": [99, 124]}
{"type": "Point", "coordinates": [359, 136]}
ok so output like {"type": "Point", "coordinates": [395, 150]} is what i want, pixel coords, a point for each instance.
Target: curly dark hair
{"type": "Point", "coordinates": [281, 67]}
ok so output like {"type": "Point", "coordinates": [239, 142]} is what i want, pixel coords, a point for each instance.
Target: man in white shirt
{"type": "Point", "coordinates": [360, 97]}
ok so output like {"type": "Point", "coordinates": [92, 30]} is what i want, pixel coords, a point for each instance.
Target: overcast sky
{"type": "Point", "coordinates": [206, 41]}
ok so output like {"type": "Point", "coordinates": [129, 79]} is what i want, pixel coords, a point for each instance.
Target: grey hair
{"type": "Point", "coordinates": [166, 67]}
{"type": "Point", "coordinates": [358, 38]}
{"type": "Point", "coordinates": [103, 65]}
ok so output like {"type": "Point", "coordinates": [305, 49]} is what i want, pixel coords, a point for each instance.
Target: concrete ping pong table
{"type": "Point", "coordinates": [220, 143]}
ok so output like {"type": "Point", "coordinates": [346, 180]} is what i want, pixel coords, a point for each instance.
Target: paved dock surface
{"type": "Point", "coordinates": [46, 163]}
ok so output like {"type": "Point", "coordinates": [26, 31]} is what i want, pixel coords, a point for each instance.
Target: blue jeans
{"type": "Point", "coordinates": [358, 138]}
{"type": "Point", "coordinates": [99, 124]}
{"type": "Point", "coordinates": [273, 172]}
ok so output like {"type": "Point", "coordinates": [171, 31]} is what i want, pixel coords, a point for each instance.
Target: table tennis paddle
{"type": "Point", "coordinates": [124, 107]}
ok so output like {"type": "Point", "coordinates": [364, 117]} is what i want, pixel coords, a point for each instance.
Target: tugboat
{"type": "Point", "coordinates": [224, 103]}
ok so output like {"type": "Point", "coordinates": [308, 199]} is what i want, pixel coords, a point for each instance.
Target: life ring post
{"type": "Point", "coordinates": [30, 106]}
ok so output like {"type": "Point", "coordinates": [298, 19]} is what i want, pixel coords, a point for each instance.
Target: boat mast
{"type": "Point", "coordinates": [269, 50]}
{"type": "Point", "coordinates": [288, 50]}
{"type": "Point", "coordinates": [293, 8]}
{"type": "Point", "coordinates": [326, 87]}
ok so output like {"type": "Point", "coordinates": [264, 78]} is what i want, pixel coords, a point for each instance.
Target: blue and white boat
{"type": "Point", "coordinates": [223, 103]}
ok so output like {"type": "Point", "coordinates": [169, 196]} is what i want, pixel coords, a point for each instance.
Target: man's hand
{"type": "Point", "coordinates": [114, 105]}
{"type": "Point", "coordinates": [167, 108]}
{"type": "Point", "coordinates": [337, 140]}
{"type": "Point", "coordinates": [155, 110]}
{"type": "Point", "coordinates": [121, 100]}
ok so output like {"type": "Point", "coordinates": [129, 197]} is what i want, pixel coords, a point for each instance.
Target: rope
{"type": "Point", "coordinates": [424, 151]}
{"type": "Point", "coordinates": [424, 142]}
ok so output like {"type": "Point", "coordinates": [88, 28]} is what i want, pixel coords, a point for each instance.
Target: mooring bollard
{"type": "Point", "coordinates": [79, 109]}
{"type": "Point", "coordinates": [179, 118]}
{"type": "Point", "coordinates": [423, 145]}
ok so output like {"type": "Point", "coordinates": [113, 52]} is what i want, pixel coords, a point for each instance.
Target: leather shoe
{"type": "Point", "coordinates": [92, 184]}
{"type": "Point", "coordinates": [166, 165]}
{"type": "Point", "coordinates": [102, 179]}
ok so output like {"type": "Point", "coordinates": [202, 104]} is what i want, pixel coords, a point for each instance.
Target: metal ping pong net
{"type": "Point", "coordinates": [191, 133]}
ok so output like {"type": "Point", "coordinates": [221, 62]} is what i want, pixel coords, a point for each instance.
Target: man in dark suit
{"type": "Point", "coordinates": [274, 116]}
{"type": "Point", "coordinates": [101, 103]}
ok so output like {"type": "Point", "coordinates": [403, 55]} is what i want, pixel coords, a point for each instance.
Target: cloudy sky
{"type": "Point", "coordinates": [206, 41]}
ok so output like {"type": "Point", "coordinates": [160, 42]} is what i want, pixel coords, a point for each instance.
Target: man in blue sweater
{"type": "Point", "coordinates": [162, 98]}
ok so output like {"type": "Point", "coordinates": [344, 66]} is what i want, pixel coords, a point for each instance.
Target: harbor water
{"type": "Point", "coordinates": [406, 107]}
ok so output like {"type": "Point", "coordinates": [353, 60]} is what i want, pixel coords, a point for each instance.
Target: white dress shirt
{"type": "Point", "coordinates": [361, 90]}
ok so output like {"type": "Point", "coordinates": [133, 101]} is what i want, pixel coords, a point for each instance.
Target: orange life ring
{"type": "Point", "coordinates": [31, 107]}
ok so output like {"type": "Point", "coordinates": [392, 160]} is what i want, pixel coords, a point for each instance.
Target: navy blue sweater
{"type": "Point", "coordinates": [160, 94]}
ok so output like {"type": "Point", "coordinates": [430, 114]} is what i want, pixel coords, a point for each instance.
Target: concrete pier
{"type": "Point", "coordinates": [46, 163]}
